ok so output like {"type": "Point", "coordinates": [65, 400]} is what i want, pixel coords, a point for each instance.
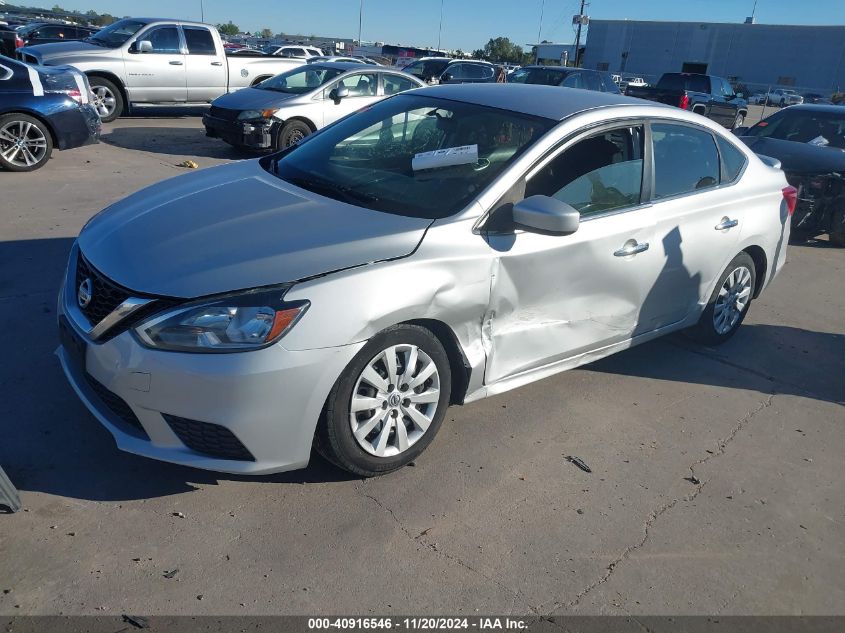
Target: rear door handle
{"type": "Point", "coordinates": [175, 63]}
{"type": "Point", "coordinates": [726, 223]}
{"type": "Point", "coordinates": [631, 247]}
{"type": "Point", "coordinates": [216, 63]}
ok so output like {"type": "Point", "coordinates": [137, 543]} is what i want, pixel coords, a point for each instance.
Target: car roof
{"type": "Point", "coordinates": [340, 66]}
{"type": "Point", "coordinates": [551, 102]}
{"type": "Point", "coordinates": [818, 107]}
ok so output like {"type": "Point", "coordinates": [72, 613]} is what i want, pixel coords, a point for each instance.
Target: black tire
{"type": "Point", "coordinates": [334, 439]}
{"type": "Point", "coordinates": [705, 330]}
{"type": "Point", "coordinates": [837, 224]}
{"type": "Point", "coordinates": [782, 103]}
{"type": "Point", "coordinates": [258, 80]}
{"type": "Point", "coordinates": [99, 84]}
{"type": "Point", "coordinates": [292, 132]}
{"type": "Point", "coordinates": [39, 131]}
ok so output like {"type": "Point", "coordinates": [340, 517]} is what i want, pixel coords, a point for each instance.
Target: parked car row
{"type": "Point", "coordinates": [40, 33]}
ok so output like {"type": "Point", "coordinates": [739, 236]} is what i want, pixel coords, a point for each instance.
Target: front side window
{"type": "Point", "coordinates": [300, 80]}
{"type": "Point", "coordinates": [199, 41]}
{"type": "Point", "coordinates": [394, 84]}
{"type": "Point", "coordinates": [381, 157]}
{"type": "Point", "coordinates": [601, 173]}
{"type": "Point", "coordinates": [165, 40]}
{"type": "Point", "coordinates": [685, 160]}
{"type": "Point", "coordinates": [361, 85]}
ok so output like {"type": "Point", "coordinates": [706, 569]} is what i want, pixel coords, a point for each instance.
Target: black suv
{"type": "Point", "coordinates": [565, 77]}
{"type": "Point", "coordinates": [41, 33]}
{"type": "Point", "coordinates": [452, 71]}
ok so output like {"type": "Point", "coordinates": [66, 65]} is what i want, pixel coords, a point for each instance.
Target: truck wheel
{"type": "Point", "coordinates": [107, 99]}
{"type": "Point", "coordinates": [739, 120]}
{"type": "Point", "coordinates": [25, 143]}
{"type": "Point", "coordinates": [837, 225]}
{"type": "Point", "coordinates": [292, 133]}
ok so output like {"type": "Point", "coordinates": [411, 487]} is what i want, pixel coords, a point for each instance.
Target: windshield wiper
{"type": "Point", "coordinates": [344, 194]}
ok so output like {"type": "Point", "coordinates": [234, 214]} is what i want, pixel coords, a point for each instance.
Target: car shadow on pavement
{"type": "Point", "coordinates": [49, 442]}
{"type": "Point", "coordinates": [771, 359]}
{"type": "Point", "coordinates": [173, 141]}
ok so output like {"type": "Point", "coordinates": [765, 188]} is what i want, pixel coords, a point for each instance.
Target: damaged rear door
{"type": "Point", "coordinates": [555, 297]}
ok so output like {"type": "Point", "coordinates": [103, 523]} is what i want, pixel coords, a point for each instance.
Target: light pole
{"type": "Point", "coordinates": [202, 12]}
{"type": "Point", "coordinates": [360, 21]}
{"type": "Point", "coordinates": [440, 30]}
{"type": "Point", "coordinates": [539, 32]}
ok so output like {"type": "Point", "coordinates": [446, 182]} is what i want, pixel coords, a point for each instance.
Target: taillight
{"type": "Point", "coordinates": [18, 42]}
{"type": "Point", "coordinates": [683, 104]}
{"type": "Point", "coordinates": [74, 94]}
{"type": "Point", "coordinates": [790, 194]}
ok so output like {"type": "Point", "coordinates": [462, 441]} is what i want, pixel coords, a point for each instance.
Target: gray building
{"type": "Point", "coordinates": [810, 58]}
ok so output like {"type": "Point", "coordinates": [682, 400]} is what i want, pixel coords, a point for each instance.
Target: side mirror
{"type": "Point", "coordinates": [445, 78]}
{"type": "Point", "coordinates": [144, 46]}
{"type": "Point", "coordinates": [336, 94]}
{"type": "Point", "coordinates": [541, 214]}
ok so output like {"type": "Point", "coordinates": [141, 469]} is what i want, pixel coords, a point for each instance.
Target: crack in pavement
{"type": "Point", "coordinates": [432, 547]}
{"type": "Point", "coordinates": [654, 515]}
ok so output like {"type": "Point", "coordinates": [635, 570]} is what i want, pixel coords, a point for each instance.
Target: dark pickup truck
{"type": "Point", "coordinates": [706, 95]}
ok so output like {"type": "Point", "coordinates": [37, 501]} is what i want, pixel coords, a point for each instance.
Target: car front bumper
{"type": "Point", "coordinates": [251, 134]}
{"type": "Point", "coordinates": [248, 413]}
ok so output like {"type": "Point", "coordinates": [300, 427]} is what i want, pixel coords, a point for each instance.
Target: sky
{"type": "Point", "coordinates": [467, 24]}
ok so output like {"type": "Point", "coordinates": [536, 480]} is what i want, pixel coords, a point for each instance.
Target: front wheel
{"type": "Point", "coordinates": [388, 404]}
{"type": "Point", "coordinates": [25, 143]}
{"type": "Point", "coordinates": [292, 132]}
{"type": "Point", "coordinates": [108, 100]}
{"type": "Point", "coordinates": [729, 303]}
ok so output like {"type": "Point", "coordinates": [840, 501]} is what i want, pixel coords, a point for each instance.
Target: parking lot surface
{"type": "Point", "coordinates": [717, 484]}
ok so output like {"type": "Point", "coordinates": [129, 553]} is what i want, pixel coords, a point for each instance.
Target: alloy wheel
{"type": "Point", "coordinates": [733, 298]}
{"type": "Point", "coordinates": [104, 101]}
{"type": "Point", "coordinates": [394, 400]}
{"type": "Point", "coordinates": [22, 143]}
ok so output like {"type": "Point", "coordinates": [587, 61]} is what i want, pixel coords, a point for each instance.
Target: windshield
{"type": "Point", "coordinates": [426, 69]}
{"type": "Point", "coordinates": [301, 80]}
{"type": "Point", "coordinates": [825, 129]}
{"type": "Point", "coordinates": [116, 34]}
{"type": "Point", "coordinates": [383, 158]}
{"type": "Point", "coordinates": [542, 76]}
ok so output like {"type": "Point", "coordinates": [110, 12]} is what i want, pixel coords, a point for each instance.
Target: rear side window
{"type": "Point", "coordinates": [200, 41]}
{"type": "Point", "coordinates": [394, 84]}
{"type": "Point", "coordinates": [685, 160]}
{"type": "Point", "coordinates": [592, 81]}
{"type": "Point", "coordinates": [733, 160]}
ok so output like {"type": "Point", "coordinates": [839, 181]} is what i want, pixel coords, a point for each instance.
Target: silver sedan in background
{"type": "Point", "coordinates": [436, 248]}
{"type": "Point", "coordinates": [286, 108]}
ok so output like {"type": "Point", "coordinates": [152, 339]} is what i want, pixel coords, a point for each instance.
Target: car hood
{"type": "Point", "coordinates": [795, 157]}
{"type": "Point", "coordinates": [252, 99]}
{"type": "Point", "coordinates": [236, 227]}
{"type": "Point", "coordinates": [66, 51]}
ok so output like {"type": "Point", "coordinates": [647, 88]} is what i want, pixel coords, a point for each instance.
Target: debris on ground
{"type": "Point", "coordinates": [136, 621]}
{"type": "Point", "coordinates": [578, 462]}
{"type": "Point", "coordinates": [177, 514]}
{"type": "Point", "coordinates": [172, 573]}
{"type": "Point", "coordinates": [693, 479]}
{"type": "Point", "coordinates": [189, 164]}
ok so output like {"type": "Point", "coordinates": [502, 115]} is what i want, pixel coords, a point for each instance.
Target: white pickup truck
{"type": "Point", "coordinates": [144, 61]}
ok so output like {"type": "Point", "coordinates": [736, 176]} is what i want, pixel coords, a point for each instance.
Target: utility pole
{"type": "Point", "coordinates": [360, 21]}
{"type": "Point", "coordinates": [202, 12]}
{"type": "Point", "coordinates": [440, 30]}
{"type": "Point", "coordinates": [578, 33]}
{"type": "Point", "coordinates": [539, 33]}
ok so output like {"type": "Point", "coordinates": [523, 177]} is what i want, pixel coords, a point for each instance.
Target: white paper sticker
{"type": "Point", "coordinates": [447, 157]}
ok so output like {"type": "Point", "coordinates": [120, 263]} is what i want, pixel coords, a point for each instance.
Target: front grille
{"type": "Point", "coordinates": [209, 439]}
{"type": "Point", "coordinates": [118, 407]}
{"type": "Point", "coordinates": [223, 113]}
{"type": "Point", "coordinates": [105, 295]}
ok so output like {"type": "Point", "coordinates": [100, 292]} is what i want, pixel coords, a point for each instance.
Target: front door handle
{"type": "Point", "coordinates": [631, 247]}
{"type": "Point", "coordinates": [216, 63]}
{"type": "Point", "coordinates": [175, 63]}
{"type": "Point", "coordinates": [726, 223]}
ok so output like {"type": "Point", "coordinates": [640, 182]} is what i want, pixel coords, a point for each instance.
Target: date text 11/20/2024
{"type": "Point", "coordinates": [419, 624]}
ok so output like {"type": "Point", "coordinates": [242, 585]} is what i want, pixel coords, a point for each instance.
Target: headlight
{"type": "Point", "coordinates": [233, 323]}
{"type": "Point", "coordinates": [252, 115]}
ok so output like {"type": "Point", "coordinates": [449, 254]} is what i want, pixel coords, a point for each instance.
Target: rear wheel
{"type": "Point", "coordinates": [729, 303]}
{"type": "Point", "coordinates": [292, 132]}
{"type": "Point", "coordinates": [388, 404]}
{"type": "Point", "coordinates": [108, 100]}
{"type": "Point", "coordinates": [25, 143]}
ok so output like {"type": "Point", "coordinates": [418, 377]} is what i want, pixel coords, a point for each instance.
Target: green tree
{"type": "Point", "coordinates": [478, 53]}
{"type": "Point", "coordinates": [228, 28]}
{"type": "Point", "coordinates": [501, 49]}
{"type": "Point", "coordinates": [266, 34]}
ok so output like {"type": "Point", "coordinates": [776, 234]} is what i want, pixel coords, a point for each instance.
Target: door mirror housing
{"type": "Point", "coordinates": [339, 93]}
{"type": "Point", "coordinates": [550, 216]}
{"type": "Point", "coordinates": [144, 46]}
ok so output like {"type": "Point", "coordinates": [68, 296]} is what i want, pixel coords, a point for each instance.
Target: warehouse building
{"type": "Point", "coordinates": [808, 58]}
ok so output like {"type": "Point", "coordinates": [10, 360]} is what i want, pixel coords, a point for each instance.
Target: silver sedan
{"type": "Point", "coordinates": [436, 248]}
